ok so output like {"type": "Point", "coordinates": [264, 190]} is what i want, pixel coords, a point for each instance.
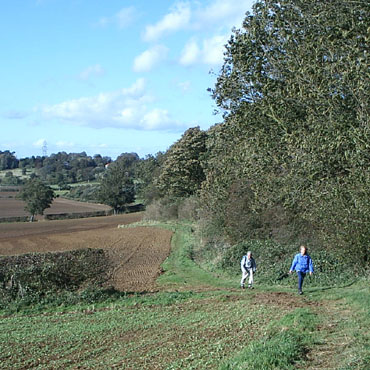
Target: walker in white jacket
{"type": "Point", "coordinates": [248, 266]}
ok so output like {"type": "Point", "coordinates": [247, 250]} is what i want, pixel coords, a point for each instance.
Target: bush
{"type": "Point", "coordinates": [173, 208]}
{"type": "Point", "coordinates": [30, 277]}
{"type": "Point", "coordinates": [84, 193]}
{"type": "Point", "coordinates": [162, 210]}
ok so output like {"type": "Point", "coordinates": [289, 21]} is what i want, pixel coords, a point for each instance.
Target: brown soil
{"type": "Point", "coordinates": [136, 253]}
{"type": "Point", "coordinates": [283, 300]}
{"type": "Point", "coordinates": [12, 207]}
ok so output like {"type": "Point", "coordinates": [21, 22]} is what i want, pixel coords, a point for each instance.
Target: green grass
{"type": "Point", "coordinates": [348, 312]}
{"type": "Point", "coordinates": [180, 269]}
{"type": "Point", "coordinates": [191, 330]}
{"type": "Point", "coordinates": [282, 347]}
{"type": "Point", "coordinates": [198, 321]}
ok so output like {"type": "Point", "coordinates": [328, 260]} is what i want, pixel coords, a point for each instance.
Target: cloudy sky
{"type": "Point", "coordinates": [109, 76]}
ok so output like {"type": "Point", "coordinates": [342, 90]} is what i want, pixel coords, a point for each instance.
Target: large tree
{"type": "Point", "coordinates": [182, 172]}
{"type": "Point", "coordinates": [37, 196]}
{"type": "Point", "coordinates": [294, 90]}
{"type": "Point", "coordinates": [116, 188]}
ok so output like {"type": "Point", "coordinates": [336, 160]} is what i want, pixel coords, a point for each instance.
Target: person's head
{"type": "Point", "coordinates": [249, 254]}
{"type": "Point", "coordinates": [303, 250]}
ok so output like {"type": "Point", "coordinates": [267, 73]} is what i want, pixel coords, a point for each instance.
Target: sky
{"type": "Point", "coordinates": [109, 76]}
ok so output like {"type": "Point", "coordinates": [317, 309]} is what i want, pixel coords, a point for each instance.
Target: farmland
{"type": "Point", "coordinates": [196, 320]}
{"type": "Point", "coordinates": [12, 207]}
{"type": "Point", "coordinates": [136, 256]}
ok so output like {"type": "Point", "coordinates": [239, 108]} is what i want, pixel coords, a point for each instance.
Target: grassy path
{"type": "Point", "coordinates": [196, 321]}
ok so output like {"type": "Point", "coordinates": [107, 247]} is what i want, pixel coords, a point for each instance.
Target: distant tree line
{"type": "Point", "coordinates": [57, 169]}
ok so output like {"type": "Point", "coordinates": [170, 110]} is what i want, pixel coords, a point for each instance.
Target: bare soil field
{"type": "Point", "coordinates": [136, 253]}
{"type": "Point", "coordinates": [12, 207]}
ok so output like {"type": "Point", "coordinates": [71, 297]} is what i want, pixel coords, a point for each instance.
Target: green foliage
{"type": "Point", "coordinates": [274, 260]}
{"type": "Point", "coordinates": [182, 172]}
{"type": "Point", "coordinates": [146, 172]}
{"type": "Point", "coordinates": [85, 193]}
{"type": "Point", "coordinates": [10, 179]}
{"type": "Point", "coordinates": [37, 196]}
{"type": "Point", "coordinates": [117, 188]}
{"type": "Point", "coordinates": [296, 136]}
{"type": "Point", "coordinates": [64, 168]}
{"type": "Point", "coordinates": [8, 160]}
{"type": "Point", "coordinates": [168, 208]}
{"type": "Point", "coordinates": [29, 278]}
{"type": "Point", "coordinates": [127, 162]}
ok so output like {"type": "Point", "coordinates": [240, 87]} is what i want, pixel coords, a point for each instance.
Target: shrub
{"type": "Point", "coordinates": [85, 193]}
{"type": "Point", "coordinates": [162, 210]}
{"type": "Point", "coordinates": [35, 275]}
{"type": "Point", "coordinates": [169, 208]}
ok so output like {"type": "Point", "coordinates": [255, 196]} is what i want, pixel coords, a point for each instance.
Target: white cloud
{"type": "Point", "coordinates": [149, 58]}
{"type": "Point", "coordinates": [211, 52]}
{"type": "Point", "coordinates": [218, 14]}
{"type": "Point", "coordinates": [125, 108]}
{"type": "Point", "coordinates": [123, 18]}
{"type": "Point", "coordinates": [39, 143]}
{"type": "Point", "coordinates": [222, 13]}
{"type": "Point", "coordinates": [91, 71]}
{"type": "Point", "coordinates": [177, 19]}
{"type": "Point", "coordinates": [190, 53]}
{"type": "Point", "coordinates": [209, 21]}
{"type": "Point", "coordinates": [155, 118]}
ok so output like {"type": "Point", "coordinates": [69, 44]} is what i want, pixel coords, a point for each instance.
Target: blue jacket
{"type": "Point", "coordinates": [302, 263]}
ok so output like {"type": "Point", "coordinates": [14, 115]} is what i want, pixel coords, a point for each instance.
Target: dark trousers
{"type": "Point", "coordinates": [301, 276]}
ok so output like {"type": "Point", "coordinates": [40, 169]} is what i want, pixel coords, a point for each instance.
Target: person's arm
{"type": "Point", "coordinates": [242, 264]}
{"type": "Point", "coordinates": [310, 265]}
{"type": "Point", "coordinates": [294, 263]}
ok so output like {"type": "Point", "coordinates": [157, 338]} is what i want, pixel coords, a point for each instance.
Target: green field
{"type": "Point", "coordinates": [196, 321]}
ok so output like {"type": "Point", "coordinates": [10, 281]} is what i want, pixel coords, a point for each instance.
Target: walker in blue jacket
{"type": "Point", "coordinates": [302, 263]}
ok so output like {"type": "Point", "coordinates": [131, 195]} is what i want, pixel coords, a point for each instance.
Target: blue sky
{"type": "Point", "coordinates": [109, 76]}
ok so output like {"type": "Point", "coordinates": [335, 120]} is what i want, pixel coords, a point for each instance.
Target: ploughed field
{"type": "Point", "coordinates": [135, 253]}
{"type": "Point", "coordinates": [12, 207]}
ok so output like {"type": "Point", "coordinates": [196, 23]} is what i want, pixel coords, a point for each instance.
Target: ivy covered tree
{"type": "Point", "coordinates": [182, 172]}
{"type": "Point", "coordinates": [294, 91]}
{"type": "Point", "coordinates": [37, 196]}
{"type": "Point", "coordinates": [116, 188]}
